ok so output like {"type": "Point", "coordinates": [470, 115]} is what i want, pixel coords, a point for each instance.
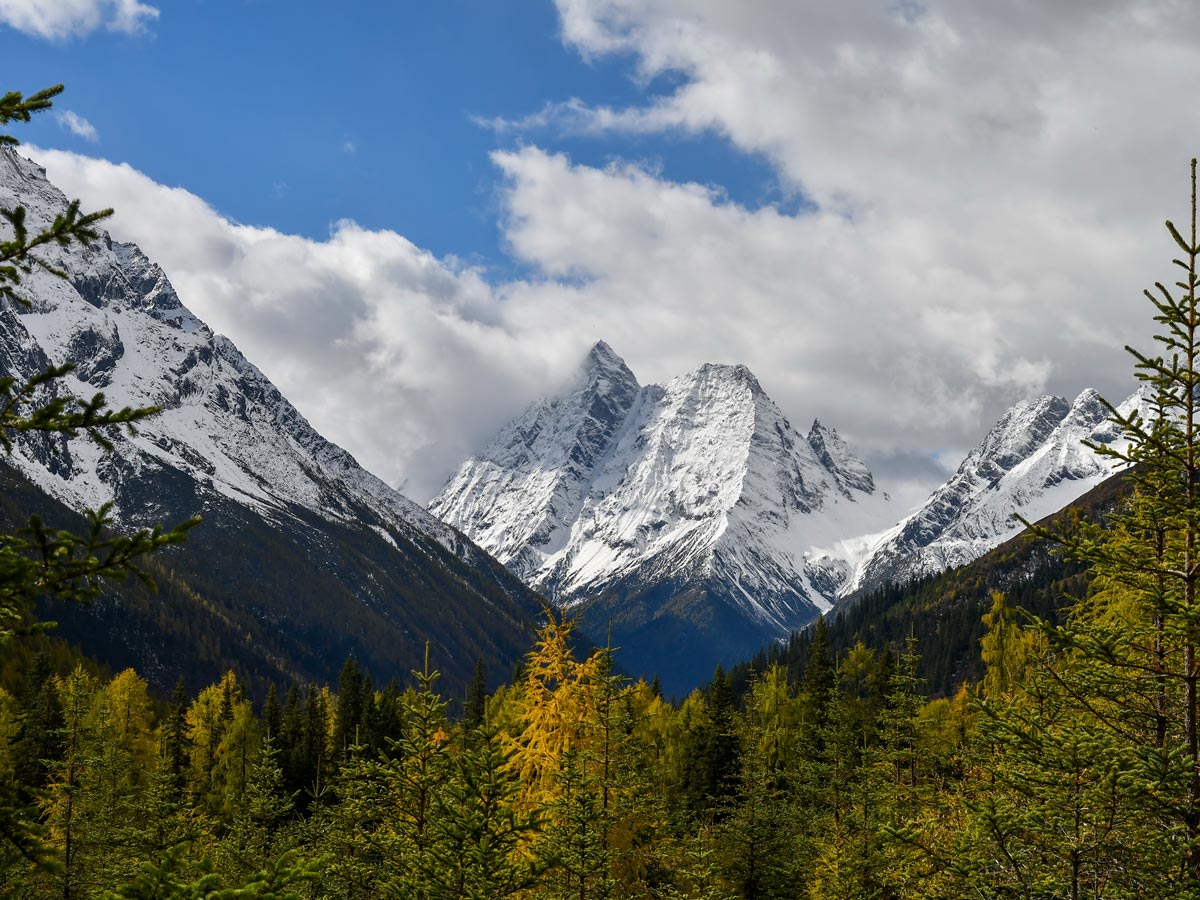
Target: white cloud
{"type": "Point", "coordinates": [402, 358]}
{"type": "Point", "coordinates": [77, 125]}
{"type": "Point", "coordinates": [62, 19]}
{"type": "Point", "coordinates": [991, 181]}
{"type": "Point", "coordinates": [412, 362]}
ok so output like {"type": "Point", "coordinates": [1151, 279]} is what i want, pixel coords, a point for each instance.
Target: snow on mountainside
{"type": "Point", "coordinates": [616, 496]}
{"type": "Point", "coordinates": [1031, 463]}
{"type": "Point", "coordinates": [522, 494]}
{"type": "Point", "coordinates": [707, 477]}
{"type": "Point", "coordinates": [121, 323]}
{"type": "Point", "coordinates": [695, 521]}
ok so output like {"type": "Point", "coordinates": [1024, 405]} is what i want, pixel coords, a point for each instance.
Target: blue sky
{"type": "Point", "coordinates": [903, 217]}
{"type": "Point", "coordinates": [294, 115]}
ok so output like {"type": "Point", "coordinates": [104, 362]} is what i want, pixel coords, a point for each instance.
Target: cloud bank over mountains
{"type": "Point", "coordinates": [985, 184]}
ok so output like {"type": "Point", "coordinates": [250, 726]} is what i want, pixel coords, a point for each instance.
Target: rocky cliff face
{"type": "Point", "coordinates": [522, 494]}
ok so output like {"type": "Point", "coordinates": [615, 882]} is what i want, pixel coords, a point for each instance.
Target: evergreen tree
{"type": "Point", "coordinates": [259, 816]}
{"type": "Point", "coordinates": [761, 837]}
{"type": "Point", "coordinates": [711, 752]}
{"type": "Point", "coordinates": [575, 847]}
{"type": "Point", "coordinates": [291, 742]}
{"type": "Point", "coordinates": [272, 715]}
{"type": "Point", "coordinates": [38, 562]}
{"type": "Point", "coordinates": [1112, 702]}
{"type": "Point", "coordinates": [415, 775]}
{"type": "Point", "coordinates": [175, 745]}
{"type": "Point", "coordinates": [475, 705]}
{"type": "Point", "coordinates": [348, 716]}
{"type": "Point", "coordinates": [477, 831]}
{"type": "Point", "coordinates": [371, 733]}
{"type": "Point", "coordinates": [359, 833]}
{"type": "Point", "coordinates": [39, 741]}
{"type": "Point", "coordinates": [314, 765]}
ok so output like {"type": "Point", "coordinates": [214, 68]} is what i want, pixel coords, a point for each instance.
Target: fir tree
{"type": "Point", "coordinates": [415, 775]}
{"type": "Point", "coordinates": [475, 705]}
{"type": "Point", "coordinates": [39, 741]}
{"type": "Point", "coordinates": [348, 716]}
{"type": "Point", "coordinates": [175, 742]}
{"type": "Point", "coordinates": [1116, 692]}
{"type": "Point", "coordinates": [711, 751]}
{"type": "Point", "coordinates": [477, 831]}
{"type": "Point", "coordinates": [272, 715]}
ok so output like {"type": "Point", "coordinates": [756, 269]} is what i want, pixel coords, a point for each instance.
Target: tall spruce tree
{"type": "Point", "coordinates": [712, 752]}
{"type": "Point", "coordinates": [475, 704]}
{"type": "Point", "coordinates": [1097, 749]}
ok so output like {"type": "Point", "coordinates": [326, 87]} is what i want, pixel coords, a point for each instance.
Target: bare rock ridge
{"type": "Point", "coordinates": [229, 445]}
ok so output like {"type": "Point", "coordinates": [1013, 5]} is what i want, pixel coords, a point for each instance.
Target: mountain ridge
{"type": "Point", "coordinates": [229, 446]}
{"type": "Point", "coordinates": [1032, 462]}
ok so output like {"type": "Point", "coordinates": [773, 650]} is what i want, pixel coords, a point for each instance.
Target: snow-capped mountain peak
{"type": "Point", "coordinates": [627, 500]}
{"type": "Point", "coordinates": [302, 557]}
{"type": "Point", "coordinates": [1033, 462]}
{"type": "Point", "coordinates": [522, 493]}
{"type": "Point", "coordinates": [121, 323]}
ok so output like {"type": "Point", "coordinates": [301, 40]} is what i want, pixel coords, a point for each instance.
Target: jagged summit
{"type": "Point", "coordinates": [835, 454]}
{"type": "Point", "coordinates": [602, 358]}
{"type": "Point", "coordinates": [692, 507]}
{"type": "Point", "coordinates": [522, 491]}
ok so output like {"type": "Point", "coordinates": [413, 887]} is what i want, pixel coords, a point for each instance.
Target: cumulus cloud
{"type": "Point", "coordinates": [989, 184]}
{"type": "Point", "coordinates": [77, 125]}
{"type": "Point", "coordinates": [62, 19]}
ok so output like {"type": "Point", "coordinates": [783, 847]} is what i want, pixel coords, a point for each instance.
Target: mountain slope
{"type": "Point", "coordinates": [691, 516]}
{"type": "Point", "coordinates": [1033, 462]}
{"type": "Point", "coordinates": [522, 494]}
{"type": "Point", "coordinates": [328, 557]}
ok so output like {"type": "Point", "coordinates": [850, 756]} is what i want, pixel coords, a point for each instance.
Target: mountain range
{"type": "Point", "coordinates": [691, 522]}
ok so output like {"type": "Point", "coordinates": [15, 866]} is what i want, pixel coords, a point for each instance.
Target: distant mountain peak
{"type": "Point", "coordinates": [732, 373]}
{"type": "Point", "coordinates": [1087, 410]}
{"type": "Point", "coordinates": [602, 356]}
{"type": "Point", "coordinates": [603, 365]}
{"type": "Point", "coordinates": [1033, 461]}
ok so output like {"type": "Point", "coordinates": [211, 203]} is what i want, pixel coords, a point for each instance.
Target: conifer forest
{"type": "Point", "coordinates": [1064, 763]}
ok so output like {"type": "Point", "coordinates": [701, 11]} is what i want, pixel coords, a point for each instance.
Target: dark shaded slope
{"type": "Point", "coordinates": [289, 599]}
{"type": "Point", "coordinates": [676, 628]}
